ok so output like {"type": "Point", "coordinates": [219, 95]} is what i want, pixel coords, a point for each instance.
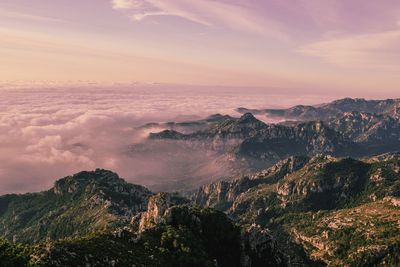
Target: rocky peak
{"type": "Point", "coordinates": [259, 248]}
{"type": "Point", "coordinates": [283, 167]}
{"type": "Point", "coordinates": [248, 118]}
{"type": "Point", "coordinates": [167, 134]}
{"type": "Point", "coordinates": [218, 117]}
{"type": "Point", "coordinates": [157, 207]}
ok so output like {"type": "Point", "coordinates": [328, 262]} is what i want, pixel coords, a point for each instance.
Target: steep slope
{"type": "Point", "coordinates": [76, 205]}
{"type": "Point", "coordinates": [376, 133]}
{"type": "Point", "coordinates": [301, 205]}
{"type": "Point", "coordinates": [366, 235]}
{"type": "Point", "coordinates": [308, 139]}
{"type": "Point", "coordinates": [168, 234]}
{"type": "Point", "coordinates": [222, 194]}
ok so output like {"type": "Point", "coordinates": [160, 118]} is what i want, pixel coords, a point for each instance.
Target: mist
{"type": "Point", "coordinates": [48, 133]}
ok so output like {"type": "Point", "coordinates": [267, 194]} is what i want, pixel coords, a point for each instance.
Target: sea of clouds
{"type": "Point", "coordinates": [49, 132]}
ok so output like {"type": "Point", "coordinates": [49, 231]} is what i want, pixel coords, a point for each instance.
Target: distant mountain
{"type": "Point", "coordinates": [335, 108]}
{"type": "Point", "coordinates": [379, 133]}
{"type": "Point", "coordinates": [239, 146]}
{"type": "Point", "coordinates": [222, 134]}
{"type": "Point", "coordinates": [325, 204]}
{"type": "Point", "coordinates": [75, 206]}
{"type": "Point", "coordinates": [248, 138]}
{"type": "Point", "coordinates": [188, 126]}
{"type": "Point", "coordinates": [309, 138]}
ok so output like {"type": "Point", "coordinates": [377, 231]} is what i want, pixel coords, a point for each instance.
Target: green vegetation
{"type": "Point", "coordinates": [341, 211]}
{"type": "Point", "coordinates": [76, 206]}
{"type": "Point", "coordinates": [323, 211]}
{"type": "Point", "coordinates": [13, 255]}
{"type": "Point", "coordinates": [194, 237]}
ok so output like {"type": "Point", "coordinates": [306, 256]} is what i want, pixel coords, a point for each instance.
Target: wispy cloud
{"type": "Point", "coordinates": [10, 14]}
{"type": "Point", "coordinates": [375, 50]}
{"type": "Point", "coordinates": [232, 15]}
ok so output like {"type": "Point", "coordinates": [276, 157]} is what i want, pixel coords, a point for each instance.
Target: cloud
{"type": "Point", "coordinates": [373, 51]}
{"type": "Point", "coordinates": [235, 15]}
{"type": "Point", "coordinates": [284, 20]}
{"type": "Point", "coordinates": [124, 4]}
{"type": "Point", "coordinates": [51, 132]}
{"type": "Point", "coordinates": [24, 16]}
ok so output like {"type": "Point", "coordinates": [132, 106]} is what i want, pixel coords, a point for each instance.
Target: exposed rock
{"type": "Point", "coordinates": [157, 208]}
{"type": "Point", "coordinates": [259, 248]}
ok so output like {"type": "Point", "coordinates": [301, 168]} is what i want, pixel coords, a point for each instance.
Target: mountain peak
{"type": "Point", "coordinates": [167, 134]}
{"type": "Point", "coordinates": [217, 117]}
{"type": "Point", "coordinates": [248, 118]}
{"type": "Point", "coordinates": [79, 181]}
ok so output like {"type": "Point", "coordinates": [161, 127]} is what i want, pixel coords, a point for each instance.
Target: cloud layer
{"type": "Point", "coordinates": [48, 133]}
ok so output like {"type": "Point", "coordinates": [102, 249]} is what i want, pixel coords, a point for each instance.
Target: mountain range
{"type": "Point", "coordinates": [239, 146]}
{"type": "Point", "coordinates": [321, 189]}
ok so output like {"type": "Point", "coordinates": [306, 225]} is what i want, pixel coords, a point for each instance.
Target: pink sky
{"type": "Point", "coordinates": [337, 44]}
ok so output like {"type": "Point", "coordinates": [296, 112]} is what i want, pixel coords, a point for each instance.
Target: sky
{"type": "Point", "coordinates": [347, 46]}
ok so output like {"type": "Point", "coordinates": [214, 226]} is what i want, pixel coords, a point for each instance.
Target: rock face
{"type": "Point", "coordinates": [170, 232]}
{"type": "Point", "coordinates": [259, 248]}
{"type": "Point", "coordinates": [222, 194]}
{"type": "Point", "coordinates": [319, 204]}
{"type": "Point", "coordinates": [375, 133]}
{"type": "Point", "coordinates": [157, 208]}
{"type": "Point", "coordinates": [219, 137]}
{"type": "Point", "coordinates": [301, 183]}
{"type": "Point", "coordinates": [78, 204]}
{"type": "Point", "coordinates": [311, 138]}
{"type": "Point", "coordinates": [187, 236]}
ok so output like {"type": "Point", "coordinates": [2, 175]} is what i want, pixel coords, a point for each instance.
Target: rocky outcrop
{"type": "Point", "coordinates": [157, 209]}
{"type": "Point", "coordinates": [376, 133]}
{"type": "Point", "coordinates": [222, 194]}
{"type": "Point", "coordinates": [323, 179]}
{"type": "Point", "coordinates": [259, 248]}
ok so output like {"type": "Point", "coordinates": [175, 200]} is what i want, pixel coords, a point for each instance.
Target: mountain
{"type": "Point", "coordinates": [198, 157]}
{"type": "Point", "coordinates": [75, 206]}
{"type": "Point", "coordinates": [240, 146]}
{"type": "Point", "coordinates": [220, 136]}
{"type": "Point", "coordinates": [335, 108]}
{"type": "Point", "coordinates": [187, 126]}
{"type": "Point", "coordinates": [309, 138]}
{"type": "Point", "coordinates": [303, 211]}
{"type": "Point", "coordinates": [341, 211]}
{"type": "Point", "coordinates": [321, 192]}
{"type": "Point", "coordinates": [377, 133]}
{"type": "Point", "coordinates": [250, 140]}
{"type": "Point", "coordinates": [170, 233]}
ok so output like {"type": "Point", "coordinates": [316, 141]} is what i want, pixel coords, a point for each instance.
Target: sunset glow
{"type": "Point", "coordinates": [298, 43]}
